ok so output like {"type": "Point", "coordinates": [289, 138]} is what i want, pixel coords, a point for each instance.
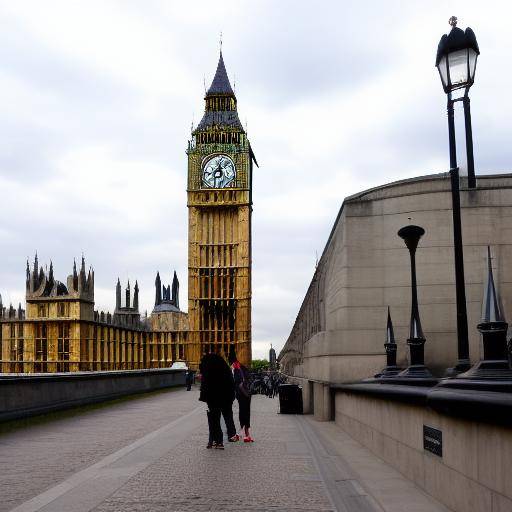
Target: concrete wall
{"type": "Point", "coordinates": [24, 396]}
{"type": "Point", "coordinates": [472, 476]}
{"type": "Point", "coordinates": [340, 329]}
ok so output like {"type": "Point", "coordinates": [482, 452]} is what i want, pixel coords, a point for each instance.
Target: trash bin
{"type": "Point", "coordinates": [290, 399]}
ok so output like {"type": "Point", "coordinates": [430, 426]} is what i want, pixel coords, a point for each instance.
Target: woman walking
{"type": "Point", "coordinates": [217, 390]}
{"type": "Point", "coordinates": [243, 395]}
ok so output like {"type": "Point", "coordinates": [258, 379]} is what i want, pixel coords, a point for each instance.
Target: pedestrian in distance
{"type": "Point", "coordinates": [242, 380]}
{"type": "Point", "coordinates": [218, 391]}
{"type": "Point", "coordinates": [189, 377]}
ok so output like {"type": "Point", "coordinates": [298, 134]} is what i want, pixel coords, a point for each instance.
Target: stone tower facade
{"type": "Point", "coordinates": [220, 163]}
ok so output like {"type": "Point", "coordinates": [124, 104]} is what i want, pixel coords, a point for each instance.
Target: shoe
{"type": "Point", "coordinates": [218, 446]}
{"type": "Point", "coordinates": [209, 446]}
{"type": "Point", "coordinates": [248, 439]}
{"type": "Point", "coordinates": [234, 439]}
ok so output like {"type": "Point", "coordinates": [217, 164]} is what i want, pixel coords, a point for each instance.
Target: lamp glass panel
{"type": "Point", "coordinates": [443, 71]}
{"type": "Point", "coordinates": [472, 63]}
{"type": "Point", "coordinates": [458, 65]}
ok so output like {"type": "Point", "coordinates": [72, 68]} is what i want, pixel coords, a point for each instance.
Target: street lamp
{"type": "Point", "coordinates": [456, 58]}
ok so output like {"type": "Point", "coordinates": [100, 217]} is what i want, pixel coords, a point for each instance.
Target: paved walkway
{"type": "Point", "coordinates": [148, 454]}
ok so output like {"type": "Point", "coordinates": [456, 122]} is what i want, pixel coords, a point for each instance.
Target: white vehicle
{"type": "Point", "coordinates": [179, 365]}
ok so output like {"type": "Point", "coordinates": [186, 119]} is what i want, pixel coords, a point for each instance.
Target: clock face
{"type": "Point", "coordinates": [219, 172]}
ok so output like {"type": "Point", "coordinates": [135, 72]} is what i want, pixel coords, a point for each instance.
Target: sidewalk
{"type": "Point", "coordinates": [295, 464]}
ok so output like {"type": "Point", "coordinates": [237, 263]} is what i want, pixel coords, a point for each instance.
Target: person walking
{"type": "Point", "coordinates": [241, 377]}
{"type": "Point", "coordinates": [189, 378]}
{"type": "Point", "coordinates": [217, 390]}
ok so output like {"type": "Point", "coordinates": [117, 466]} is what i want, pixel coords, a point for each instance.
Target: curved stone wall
{"type": "Point", "coordinates": [340, 329]}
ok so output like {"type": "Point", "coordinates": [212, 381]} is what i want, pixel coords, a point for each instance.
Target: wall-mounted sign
{"type": "Point", "coordinates": [433, 440]}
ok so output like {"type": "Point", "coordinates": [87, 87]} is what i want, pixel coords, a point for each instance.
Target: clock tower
{"type": "Point", "coordinates": [220, 162]}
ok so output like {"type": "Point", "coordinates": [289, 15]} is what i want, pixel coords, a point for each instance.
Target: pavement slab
{"type": "Point", "coordinates": [150, 455]}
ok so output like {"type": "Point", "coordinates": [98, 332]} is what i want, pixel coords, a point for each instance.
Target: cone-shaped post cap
{"type": "Point", "coordinates": [411, 236]}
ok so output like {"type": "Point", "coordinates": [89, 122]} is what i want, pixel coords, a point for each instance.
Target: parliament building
{"type": "Point", "coordinates": [60, 331]}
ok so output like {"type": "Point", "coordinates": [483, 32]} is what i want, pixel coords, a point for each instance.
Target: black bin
{"type": "Point", "coordinates": [290, 399]}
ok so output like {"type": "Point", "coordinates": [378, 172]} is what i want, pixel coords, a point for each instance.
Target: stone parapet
{"type": "Point", "coordinates": [22, 396]}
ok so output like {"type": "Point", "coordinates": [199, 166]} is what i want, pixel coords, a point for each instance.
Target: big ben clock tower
{"type": "Point", "coordinates": [219, 234]}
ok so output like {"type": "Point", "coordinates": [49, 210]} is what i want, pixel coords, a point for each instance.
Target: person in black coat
{"type": "Point", "coordinates": [243, 392]}
{"type": "Point", "coordinates": [218, 391]}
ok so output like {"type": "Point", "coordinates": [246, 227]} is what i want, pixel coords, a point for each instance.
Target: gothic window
{"type": "Point", "coordinates": [41, 348]}
{"type": "Point", "coordinates": [63, 309]}
{"type": "Point", "coordinates": [42, 310]}
{"type": "Point", "coordinates": [63, 348]}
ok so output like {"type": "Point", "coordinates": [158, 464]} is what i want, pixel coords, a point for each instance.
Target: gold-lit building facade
{"type": "Point", "coordinates": [60, 331]}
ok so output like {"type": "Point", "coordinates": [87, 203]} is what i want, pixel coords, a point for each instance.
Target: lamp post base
{"type": "Point", "coordinates": [388, 371]}
{"type": "Point", "coordinates": [461, 367]}
{"type": "Point", "coordinates": [415, 371]}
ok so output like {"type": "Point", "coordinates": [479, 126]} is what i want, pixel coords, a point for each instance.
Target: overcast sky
{"type": "Point", "coordinates": [97, 99]}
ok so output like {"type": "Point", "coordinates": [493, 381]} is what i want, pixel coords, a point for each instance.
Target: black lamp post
{"type": "Point", "coordinates": [457, 54]}
{"type": "Point", "coordinates": [456, 58]}
{"type": "Point", "coordinates": [411, 236]}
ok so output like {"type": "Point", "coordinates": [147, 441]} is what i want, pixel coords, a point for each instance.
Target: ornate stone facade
{"type": "Point", "coordinates": [220, 164]}
{"type": "Point", "coordinates": [61, 331]}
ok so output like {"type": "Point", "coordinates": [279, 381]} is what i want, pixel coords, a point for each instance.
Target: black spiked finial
{"type": "Point", "coordinates": [390, 335]}
{"type": "Point", "coordinates": [391, 350]}
{"type": "Point", "coordinates": [491, 306]}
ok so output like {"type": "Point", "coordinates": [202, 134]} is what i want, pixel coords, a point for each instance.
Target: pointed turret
{"type": "Point", "coordinates": [136, 297]}
{"type": "Point", "coordinates": [75, 276]}
{"type": "Point", "coordinates": [158, 290]}
{"type": "Point", "coordinates": [128, 294]}
{"type": "Point", "coordinates": [34, 284]}
{"type": "Point", "coordinates": [118, 294]}
{"type": "Point", "coordinates": [82, 279]}
{"type": "Point", "coordinates": [220, 83]}
{"type": "Point", "coordinates": [27, 273]}
{"type": "Point", "coordinates": [175, 291]}
{"type": "Point", "coordinates": [220, 110]}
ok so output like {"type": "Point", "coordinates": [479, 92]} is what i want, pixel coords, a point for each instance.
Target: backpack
{"type": "Point", "coordinates": [245, 385]}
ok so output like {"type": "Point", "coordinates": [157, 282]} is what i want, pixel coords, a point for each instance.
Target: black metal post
{"type": "Point", "coordinates": [469, 142]}
{"type": "Point", "coordinates": [451, 132]}
{"type": "Point", "coordinates": [463, 363]}
{"type": "Point", "coordinates": [416, 341]}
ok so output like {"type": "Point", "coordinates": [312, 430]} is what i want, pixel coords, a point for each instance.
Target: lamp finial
{"type": "Point", "coordinates": [453, 21]}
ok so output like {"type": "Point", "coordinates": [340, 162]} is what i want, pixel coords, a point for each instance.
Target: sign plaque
{"type": "Point", "coordinates": [433, 440]}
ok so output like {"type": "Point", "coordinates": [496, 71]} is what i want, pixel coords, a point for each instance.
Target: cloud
{"type": "Point", "coordinates": [97, 104]}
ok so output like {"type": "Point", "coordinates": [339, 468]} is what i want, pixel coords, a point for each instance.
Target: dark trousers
{"type": "Point", "coordinates": [215, 430]}
{"type": "Point", "coordinates": [244, 413]}
{"type": "Point", "coordinates": [227, 413]}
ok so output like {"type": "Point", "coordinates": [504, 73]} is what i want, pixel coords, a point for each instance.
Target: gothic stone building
{"type": "Point", "coordinates": [60, 330]}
